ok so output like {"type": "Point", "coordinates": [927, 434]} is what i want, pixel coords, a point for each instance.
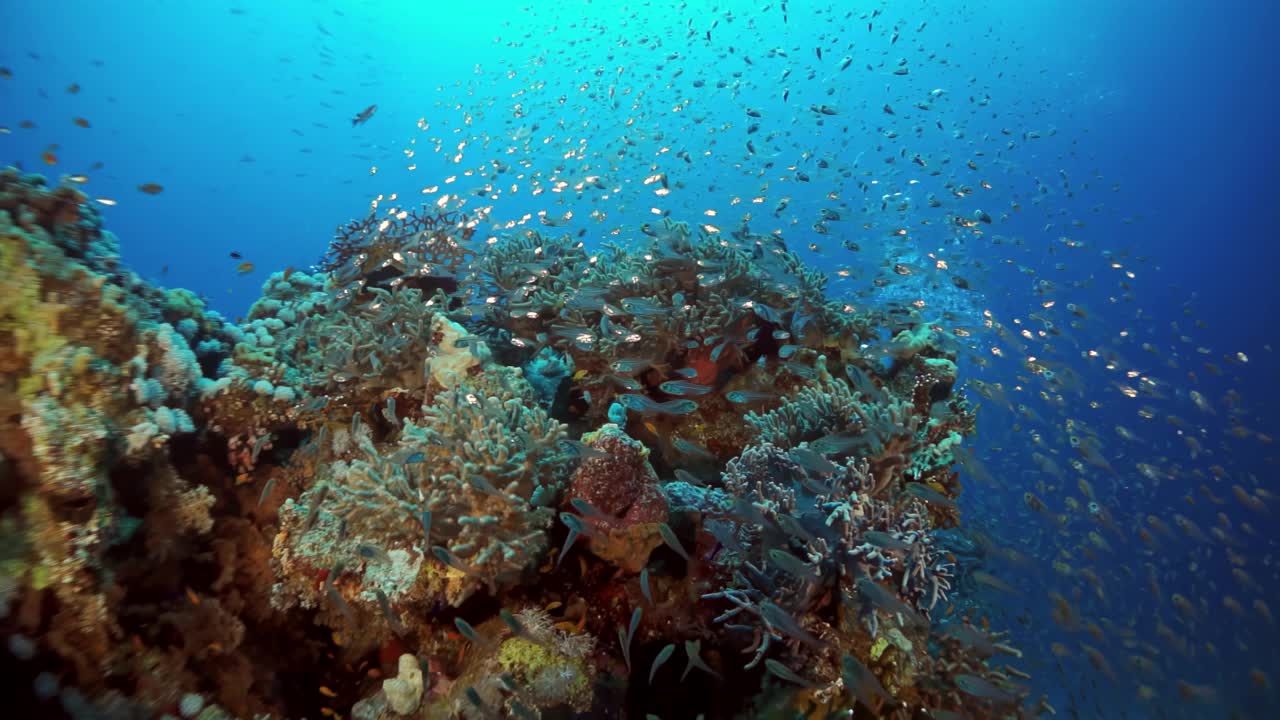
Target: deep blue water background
{"type": "Point", "coordinates": [245, 119]}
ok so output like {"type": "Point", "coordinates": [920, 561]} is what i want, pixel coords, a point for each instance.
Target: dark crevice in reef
{"type": "Point", "coordinates": [671, 698]}
{"type": "Point", "coordinates": [22, 678]}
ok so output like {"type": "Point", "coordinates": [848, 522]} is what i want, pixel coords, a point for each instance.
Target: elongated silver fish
{"type": "Point", "coordinates": [861, 683]}
{"type": "Point", "coordinates": [786, 673]}
{"type": "Point", "coordinates": [684, 387]}
{"type": "Point", "coordinates": [692, 648]}
{"type": "Point", "coordinates": [881, 597]}
{"type": "Point", "coordinates": [663, 656]}
{"type": "Point", "coordinates": [782, 620]}
{"type": "Point", "coordinates": [929, 495]}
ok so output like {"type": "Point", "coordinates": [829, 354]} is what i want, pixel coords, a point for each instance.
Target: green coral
{"type": "Point", "coordinates": [825, 406]}
{"type": "Point", "coordinates": [24, 318]}
{"type": "Point", "coordinates": [474, 474]}
{"type": "Point", "coordinates": [551, 676]}
{"type": "Point", "coordinates": [932, 456]}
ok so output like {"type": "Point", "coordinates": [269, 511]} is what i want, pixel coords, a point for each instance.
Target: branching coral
{"type": "Point", "coordinates": [686, 301]}
{"type": "Point", "coordinates": [422, 248]}
{"type": "Point", "coordinates": [529, 278]}
{"type": "Point", "coordinates": [355, 455]}
{"type": "Point", "coordinates": [474, 477]}
{"type": "Point", "coordinates": [826, 406]}
{"type": "Point", "coordinates": [822, 536]}
{"type": "Point", "coordinates": [418, 231]}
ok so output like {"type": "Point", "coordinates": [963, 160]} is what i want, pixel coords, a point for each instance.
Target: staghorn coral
{"type": "Point", "coordinates": [807, 522]}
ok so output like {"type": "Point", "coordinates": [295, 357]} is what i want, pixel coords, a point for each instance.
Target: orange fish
{"type": "Point", "coordinates": [245, 268]}
{"type": "Point", "coordinates": [81, 122]}
{"type": "Point", "coordinates": [151, 188]}
{"type": "Point", "coordinates": [49, 158]}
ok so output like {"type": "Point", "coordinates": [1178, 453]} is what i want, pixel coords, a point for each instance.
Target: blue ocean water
{"type": "Point", "coordinates": [1130, 150]}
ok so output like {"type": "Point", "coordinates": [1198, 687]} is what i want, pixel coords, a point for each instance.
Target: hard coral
{"type": "Point", "coordinates": [422, 248]}
{"type": "Point", "coordinates": [686, 301]}
{"type": "Point", "coordinates": [401, 466]}
{"type": "Point", "coordinates": [472, 481]}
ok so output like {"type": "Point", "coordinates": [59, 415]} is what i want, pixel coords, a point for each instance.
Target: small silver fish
{"type": "Point", "coordinates": [792, 565]}
{"type": "Point", "coordinates": [373, 552]}
{"type": "Point", "coordinates": [780, 619]}
{"type": "Point", "coordinates": [885, 541]}
{"type": "Point", "coordinates": [389, 613]}
{"type": "Point", "coordinates": [589, 511]}
{"type": "Point", "coordinates": [692, 648]}
{"type": "Point", "coordinates": [443, 555]}
{"type": "Point", "coordinates": [693, 450]}
{"type": "Point", "coordinates": [510, 621]}
{"type": "Point", "coordinates": [469, 632]}
{"type": "Point", "coordinates": [861, 683]}
{"type": "Point", "coordinates": [583, 450]}
{"type": "Point", "coordinates": [929, 495]}
{"type": "Point", "coordinates": [673, 542]}
{"type": "Point", "coordinates": [985, 689]}
{"type": "Point", "coordinates": [742, 397]}
{"type": "Point", "coordinates": [813, 460]}
{"type": "Point", "coordinates": [885, 599]}
{"type": "Point", "coordinates": [684, 387]}
{"type": "Point", "coordinates": [663, 656]}
{"type": "Point", "coordinates": [785, 673]}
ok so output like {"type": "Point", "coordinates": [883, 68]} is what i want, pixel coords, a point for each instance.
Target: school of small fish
{"type": "Point", "coordinates": [1132, 558]}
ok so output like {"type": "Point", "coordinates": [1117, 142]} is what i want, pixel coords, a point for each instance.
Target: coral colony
{"type": "Point", "coordinates": [446, 476]}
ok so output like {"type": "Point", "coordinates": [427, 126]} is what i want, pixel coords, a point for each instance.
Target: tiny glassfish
{"type": "Point", "coordinates": [682, 387]}
{"type": "Point", "coordinates": [692, 450]}
{"type": "Point", "coordinates": [885, 541]}
{"type": "Point", "coordinates": [742, 397]}
{"type": "Point", "coordinates": [583, 450]}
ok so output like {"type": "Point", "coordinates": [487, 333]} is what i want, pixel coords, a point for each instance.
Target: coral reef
{"type": "Point", "coordinates": [443, 478]}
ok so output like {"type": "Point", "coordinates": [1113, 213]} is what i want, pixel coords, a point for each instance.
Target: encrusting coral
{"type": "Point", "coordinates": [684, 450]}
